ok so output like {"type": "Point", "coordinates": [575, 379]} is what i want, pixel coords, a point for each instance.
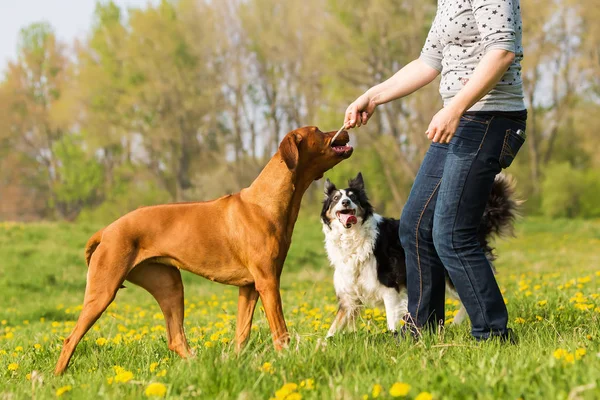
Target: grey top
{"type": "Point", "coordinates": [461, 33]}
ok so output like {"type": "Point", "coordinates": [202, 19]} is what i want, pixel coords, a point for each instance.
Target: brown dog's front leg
{"type": "Point", "coordinates": [271, 299]}
{"type": "Point", "coordinates": [246, 303]}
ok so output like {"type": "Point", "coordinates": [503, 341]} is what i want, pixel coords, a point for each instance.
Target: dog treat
{"type": "Point", "coordinates": [337, 133]}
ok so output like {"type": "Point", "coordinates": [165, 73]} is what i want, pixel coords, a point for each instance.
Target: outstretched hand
{"type": "Point", "coordinates": [359, 112]}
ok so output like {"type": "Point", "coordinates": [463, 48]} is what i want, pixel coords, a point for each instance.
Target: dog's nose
{"type": "Point", "coordinates": [345, 202]}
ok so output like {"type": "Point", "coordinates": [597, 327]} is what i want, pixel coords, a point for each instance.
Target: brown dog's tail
{"type": "Point", "coordinates": [91, 245]}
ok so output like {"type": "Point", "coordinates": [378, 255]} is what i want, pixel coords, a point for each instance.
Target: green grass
{"type": "Point", "coordinates": [42, 279]}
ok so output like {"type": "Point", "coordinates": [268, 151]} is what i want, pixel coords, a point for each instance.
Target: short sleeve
{"type": "Point", "coordinates": [431, 54]}
{"type": "Point", "coordinates": [496, 23]}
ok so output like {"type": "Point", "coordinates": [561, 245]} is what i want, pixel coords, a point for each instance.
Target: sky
{"type": "Point", "coordinates": [70, 19]}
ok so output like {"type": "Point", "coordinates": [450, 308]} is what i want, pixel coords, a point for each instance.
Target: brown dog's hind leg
{"type": "Point", "coordinates": [246, 303]}
{"type": "Point", "coordinates": [164, 283]}
{"type": "Point", "coordinates": [103, 281]}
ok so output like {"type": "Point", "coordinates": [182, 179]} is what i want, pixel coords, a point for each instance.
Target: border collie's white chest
{"type": "Point", "coordinates": [350, 251]}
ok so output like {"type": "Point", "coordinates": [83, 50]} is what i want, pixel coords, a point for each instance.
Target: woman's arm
{"type": "Point", "coordinates": [488, 72]}
{"type": "Point", "coordinates": [410, 78]}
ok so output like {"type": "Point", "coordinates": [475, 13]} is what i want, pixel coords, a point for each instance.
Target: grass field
{"type": "Point", "coordinates": [549, 274]}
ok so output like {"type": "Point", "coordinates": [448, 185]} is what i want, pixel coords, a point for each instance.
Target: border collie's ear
{"type": "Point", "coordinates": [357, 183]}
{"type": "Point", "coordinates": [329, 187]}
{"type": "Point", "coordinates": [288, 149]}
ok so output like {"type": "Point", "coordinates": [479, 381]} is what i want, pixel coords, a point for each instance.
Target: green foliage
{"type": "Point", "coordinates": [129, 190]}
{"type": "Point", "coordinates": [80, 176]}
{"type": "Point", "coordinates": [570, 192]}
{"type": "Point", "coordinates": [193, 110]}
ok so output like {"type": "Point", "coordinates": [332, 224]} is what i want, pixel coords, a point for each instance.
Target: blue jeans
{"type": "Point", "coordinates": [440, 221]}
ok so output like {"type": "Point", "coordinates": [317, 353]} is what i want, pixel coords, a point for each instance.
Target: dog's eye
{"type": "Point", "coordinates": [352, 197]}
{"type": "Point", "coordinates": [336, 197]}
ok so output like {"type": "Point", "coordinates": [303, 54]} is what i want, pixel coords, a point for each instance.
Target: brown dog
{"type": "Point", "coordinates": [240, 239]}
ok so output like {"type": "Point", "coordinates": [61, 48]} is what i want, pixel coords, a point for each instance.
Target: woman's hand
{"type": "Point", "coordinates": [443, 125]}
{"type": "Point", "coordinates": [359, 112]}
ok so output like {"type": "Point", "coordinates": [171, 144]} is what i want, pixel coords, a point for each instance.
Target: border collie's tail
{"type": "Point", "coordinates": [500, 213]}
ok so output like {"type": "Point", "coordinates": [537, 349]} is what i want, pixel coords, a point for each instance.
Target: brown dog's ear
{"type": "Point", "coordinates": [288, 149]}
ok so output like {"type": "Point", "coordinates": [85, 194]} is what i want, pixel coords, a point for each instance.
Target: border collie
{"type": "Point", "coordinates": [365, 250]}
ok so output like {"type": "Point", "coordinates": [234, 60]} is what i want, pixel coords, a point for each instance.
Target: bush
{"type": "Point", "coordinates": [571, 193]}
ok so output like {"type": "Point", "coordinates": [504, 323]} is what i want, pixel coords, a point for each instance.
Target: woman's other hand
{"type": "Point", "coordinates": [443, 125]}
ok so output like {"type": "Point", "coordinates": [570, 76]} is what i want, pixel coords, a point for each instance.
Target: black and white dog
{"type": "Point", "coordinates": [365, 250]}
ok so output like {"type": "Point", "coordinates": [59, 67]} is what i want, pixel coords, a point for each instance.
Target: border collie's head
{"type": "Point", "coordinates": [346, 207]}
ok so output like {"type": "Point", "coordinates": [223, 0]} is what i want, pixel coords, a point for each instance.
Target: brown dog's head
{"type": "Point", "coordinates": [310, 152]}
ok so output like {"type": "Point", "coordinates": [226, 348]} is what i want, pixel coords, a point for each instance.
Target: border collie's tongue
{"type": "Point", "coordinates": [348, 219]}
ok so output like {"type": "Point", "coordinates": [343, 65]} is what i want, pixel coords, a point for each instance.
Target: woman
{"type": "Point", "coordinates": [476, 46]}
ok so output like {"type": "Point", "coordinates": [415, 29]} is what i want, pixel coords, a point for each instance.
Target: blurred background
{"type": "Point", "coordinates": [107, 106]}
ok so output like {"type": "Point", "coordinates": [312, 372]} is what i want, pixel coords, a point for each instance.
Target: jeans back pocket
{"type": "Point", "coordinates": [513, 140]}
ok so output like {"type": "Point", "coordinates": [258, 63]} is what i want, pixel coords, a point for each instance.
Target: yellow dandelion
{"type": "Point", "coordinates": [559, 353]}
{"type": "Point", "coordinates": [101, 341]}
{"type": "Point", "coordinates": [569, 358]}
{"type": "Point", "coordinates": [155, 389]}
{"type": "Point", "coordinates": [424, 396]}
{"type": "Point", "coordinates": [308, 384]}
{"type": "Point", "coordinates": [124, 377]}
{"type": "Point", "coordinates": [286, 390]}
{"type": "Point", "coordinates": [37, 346]}
{"type": "Point", "coordinates": [542, 303]}
{"type": "Point", "coordinates": [208, 344]}
{"type": "Point", "coordinates": [580, 353]}
{"type": "Point", "coordinates": [9, 335]}
{"type": "Point", "coordinates": [153, 366]}
{"type": "Point", "coordinates": [162, 372]}
{"type": "Point", "coordinates": [13, 366]}
{"type": "Point", "coordinates": [376, 391]}
{"type": "Point", "coordinates": [519, 320]}
{"type": "Point", "coordinates": [62, 390]}
{"type": "Point", "coordinates": [399, 389]}
{"type": "Point", "coordinates": [267, 367]}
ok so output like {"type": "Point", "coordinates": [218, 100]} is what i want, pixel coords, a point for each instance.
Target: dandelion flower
{"type": "Point", "coordinates": [162, 373]}
{"type": "Point", "coordinates": [377, 389]}
{"type": "Point", "coordinates": [579, 353]}
{"type": "Point", "coordinates": [308, 384]}
{"type": "Point", "coordinates": [101, 341]}
{"type": "Point", "coordinates": [559, 353]}
{"type": "Point", "coordinates": [399, 389]}
{"type": "Point", "coordinates": [286, 390]}
{"type": "Point", "coordinates": [155, 389]}
{"type": "Point", "coordinates": [124, 377]}
{"type": "Point", "coordinates": [13, 366]}
{"type": "Point", "coordinates": [62, 390]}
{"type": "Point", "coordinates": [267, 367]}
{"type": "Point", "coordinates": [424, 396]}
{"type": "Point", "coordinates": [153, 366]}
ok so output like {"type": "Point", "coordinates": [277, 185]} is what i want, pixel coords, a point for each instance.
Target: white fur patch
{"type": "Point", "coordinates": [350, 252]}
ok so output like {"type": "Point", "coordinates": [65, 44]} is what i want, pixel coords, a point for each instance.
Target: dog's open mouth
{"type": "Point", "coordinates": [347, 217]}
{"type": "Point", "coordinates": [340, 146]}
